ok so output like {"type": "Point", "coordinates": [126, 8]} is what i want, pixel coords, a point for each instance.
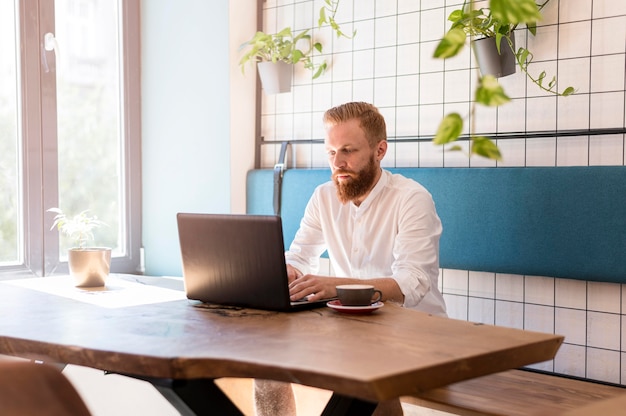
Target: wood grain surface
{"type": "Point", "coordinates": [520, 393]}
{"type": "Point", "coordinates": [387, 354]}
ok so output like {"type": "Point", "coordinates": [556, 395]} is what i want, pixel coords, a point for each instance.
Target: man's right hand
{"type": "Point", "coordinates": [293, 273]}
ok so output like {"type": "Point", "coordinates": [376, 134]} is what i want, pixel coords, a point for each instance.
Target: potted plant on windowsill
{"type": "Point", "coordinates": [88, 265]}
{"type": "Point", "coordinates": [495, 27]}
{"type": "Point", "coordinates": [275, 54]}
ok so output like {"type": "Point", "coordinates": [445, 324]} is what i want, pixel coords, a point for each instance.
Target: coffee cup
{"type": "Point", "coordinates": [358, 295]}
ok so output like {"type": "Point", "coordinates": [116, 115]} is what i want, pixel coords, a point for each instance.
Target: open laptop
{"type": "Point", "coordinates": [236, 260]}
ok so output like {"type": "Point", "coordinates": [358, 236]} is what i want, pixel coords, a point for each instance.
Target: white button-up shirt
{"type": "Point", "coordinates": [393, 233]}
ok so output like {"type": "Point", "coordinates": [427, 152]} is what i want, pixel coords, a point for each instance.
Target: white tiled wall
{"type": "Point", "coordinates": [389, 63]}
{"type": "Point", "coordinates": [590, 315]}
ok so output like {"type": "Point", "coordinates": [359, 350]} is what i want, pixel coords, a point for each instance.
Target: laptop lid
{"type": "Point", "coordinates": [235, 260]}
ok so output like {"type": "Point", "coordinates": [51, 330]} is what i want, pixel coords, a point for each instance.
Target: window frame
{"type": "Point", "coordinates": [39, 151]}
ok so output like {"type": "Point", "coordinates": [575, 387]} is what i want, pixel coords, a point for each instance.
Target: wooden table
{"type": "Point", "coordinates": [363, 359]}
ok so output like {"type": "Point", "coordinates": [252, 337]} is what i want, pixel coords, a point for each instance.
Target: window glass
{"type": "Point", "coordinates": [89, 97]}
{"type": "Point", "coordinates": [10, 202]}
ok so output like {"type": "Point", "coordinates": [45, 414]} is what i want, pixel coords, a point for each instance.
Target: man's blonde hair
{"type": "Point", "coordinates": [370, 119]}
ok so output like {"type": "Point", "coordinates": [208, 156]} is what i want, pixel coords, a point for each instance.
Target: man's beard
{"type": "Point", "coordinates": [359, 183]}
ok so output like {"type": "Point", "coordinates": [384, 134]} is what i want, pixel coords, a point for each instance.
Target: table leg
{"type": "Point", "coordinates": [200, 396]}
{"type": "Point", "coordinates": [193, 397]}
{"type": "Point", "coordinates": [203, 397]}
{"type": "Point", "coordinates": [339, 405]}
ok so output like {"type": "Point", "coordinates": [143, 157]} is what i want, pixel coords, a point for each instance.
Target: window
{"type": "Point", "coordinates": [69, 128]}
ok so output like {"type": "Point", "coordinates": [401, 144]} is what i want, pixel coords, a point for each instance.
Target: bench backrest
{"type": "Point", "coordinates": [567, 222]}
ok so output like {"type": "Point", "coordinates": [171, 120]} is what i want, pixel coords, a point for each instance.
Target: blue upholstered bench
{"type": "Point", "coordinates": [567, 222]}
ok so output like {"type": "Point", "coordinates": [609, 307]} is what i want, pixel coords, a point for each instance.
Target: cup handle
{"type": "Point", "coordinates": [377, 298]}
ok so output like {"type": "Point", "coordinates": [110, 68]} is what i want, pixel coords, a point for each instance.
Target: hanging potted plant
{"type": "Point", "coordinates": [486, 34]}
{"type": "Point", "coordinates": [491, 30]}
{"type": "Point", "coordinates": [275, 54]}
{"type": "Point", "coordinates": [88, 265]}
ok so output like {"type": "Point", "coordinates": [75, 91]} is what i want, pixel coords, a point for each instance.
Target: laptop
{"type": "Point", "coordinates": [236, 260]}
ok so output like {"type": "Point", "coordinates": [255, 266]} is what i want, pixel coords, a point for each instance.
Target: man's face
{"type": "Point", "coordinates": [354, 164]}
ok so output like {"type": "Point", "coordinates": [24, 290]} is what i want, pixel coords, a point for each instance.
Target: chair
{"type": "Point", "coordinates": [28, 389]}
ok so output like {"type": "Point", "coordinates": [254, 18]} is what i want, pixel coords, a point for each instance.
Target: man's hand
{"type": "Point", "coordinates": [324, 287]}
{"type": "Point", "coordinates": [312, 287]}
{"type": "Point", "coordinates": [293, 273]}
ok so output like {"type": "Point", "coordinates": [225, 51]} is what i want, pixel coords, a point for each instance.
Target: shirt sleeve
{"type": "Point", "coordinates": [416, 247]}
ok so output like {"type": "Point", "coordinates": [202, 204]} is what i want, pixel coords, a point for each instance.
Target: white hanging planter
{"type": "Point", "coordinates": [490, 61]}
{"type": "Point", "coordinates": [275, 77]}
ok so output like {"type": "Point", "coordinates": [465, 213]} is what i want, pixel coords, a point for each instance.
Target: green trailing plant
{"type": "Point", "coordinates": [78, 228]}
{"type": "Point", "coordinates": [327, 16]}
{"type": "Point", "coordinates": [498, 21]}
{"type": "Point", "coordinates": [292, 48]}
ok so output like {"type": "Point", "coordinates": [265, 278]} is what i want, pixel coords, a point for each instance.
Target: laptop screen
{"type": "Point", "coordinates": [234, 260]}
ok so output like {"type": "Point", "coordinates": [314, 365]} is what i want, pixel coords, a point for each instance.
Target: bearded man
{"type": "Point", "coordinates": [379, 228]}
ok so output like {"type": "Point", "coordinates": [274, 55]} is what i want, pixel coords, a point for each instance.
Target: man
{"type": "Point", "coordinates": [377, 227]}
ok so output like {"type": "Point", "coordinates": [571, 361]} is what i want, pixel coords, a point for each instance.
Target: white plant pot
{"type": "Point", "coordinates": [89, 266]}
{"type": "Point", "coordinates": [275, 77]}
{"type": "Point", "coordinates": [492, 63]}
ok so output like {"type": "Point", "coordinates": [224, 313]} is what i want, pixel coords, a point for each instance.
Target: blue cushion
{"type": "Point", "coordinates": [298, 186]}
{"type": "Point", "coordinates": [565, 222]}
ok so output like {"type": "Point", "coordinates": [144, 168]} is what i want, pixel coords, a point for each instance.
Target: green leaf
{"type": "Point", "coordinates": [456, 15]}
{"type": "Point", "coordinates": [522, 55]}
{"type": "Point", "coordinates": [320, 70]}
{"type": "Point", "coordinates": [286, 32]}
{"type": "Point", "coordinates": [515, 11]}
{"type": "Point", "coordinates": [303, 35]}
{"type": "Point", "coordinates": [541, 77]}
{"type": "Point", "coordinates": [322, 18]}
{"type": "Point", "coordinates": [451, 44]}
{"type": "Point", "coordinates": [498, 42]}
{"type": "Point", "coordinates": [490, 93]}
{"type": "Point", "coordinates": [449, 129]}
{"type": "Point", "coordinates": [568, 91]}
{"type": "Point", "coordinates": [296, 56]}
{"type": "Point", "coordinates": [484, 147]}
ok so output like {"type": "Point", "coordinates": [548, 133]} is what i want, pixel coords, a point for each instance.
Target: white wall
{"type": "Point", "coordinates": [243, 15]}
{"type": "Point", "coordinates": [185, 110]}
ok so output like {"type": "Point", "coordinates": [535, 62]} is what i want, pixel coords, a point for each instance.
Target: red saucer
{"type": "Point", "coordinates": [357, 310]}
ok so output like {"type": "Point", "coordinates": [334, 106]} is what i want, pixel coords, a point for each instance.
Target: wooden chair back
{"type": "Point", "coordinates": [28, 389]}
